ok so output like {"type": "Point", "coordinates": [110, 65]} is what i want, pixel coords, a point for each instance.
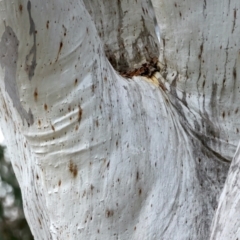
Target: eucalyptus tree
{"type": "Point", "coordinates": [113, 134]}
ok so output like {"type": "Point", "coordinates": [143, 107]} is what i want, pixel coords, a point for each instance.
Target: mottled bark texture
{"type": "Point", "coordinates": [127, 31]}
{"type": "Point", "coordinates": [226, 221]}
{"type": "Point", "coordinates": [143, 154]}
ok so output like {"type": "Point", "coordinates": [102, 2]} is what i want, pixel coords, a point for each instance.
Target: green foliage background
{"type": "Point", "coordinates": [13, 225]}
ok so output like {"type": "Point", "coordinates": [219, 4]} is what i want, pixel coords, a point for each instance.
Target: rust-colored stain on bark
{"type": "Point", "coordinates": [35, 94]}
{"type": "Point", "coordinates": [162, 86]}
{"type": "Point", "coordinates": [79, 113]}
{"type": "Point", "coordinates": [109, 213]}
{"type": "Point", "coordinates": [147, 70]}
{"type": "Point", "coordinates": [45, 107]}
{"type": "Point", "coordinates": [140, 191]}
{"type": "Point", "coordinates": [20, 8]}
{"type": "Point", "coordinates": [73, 168]}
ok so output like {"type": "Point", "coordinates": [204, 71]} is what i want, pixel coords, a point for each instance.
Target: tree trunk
{"type": "Point", "coordinates": [112, 136]}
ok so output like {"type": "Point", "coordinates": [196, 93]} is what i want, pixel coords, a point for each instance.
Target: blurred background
{"type": "Point", "coordinates": [13, 225]}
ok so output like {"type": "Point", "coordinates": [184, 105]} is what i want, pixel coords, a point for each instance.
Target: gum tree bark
{"type": "Point", "coordinates": [111, 134]}
{"type": "Point", "coordinates": [226, 221]}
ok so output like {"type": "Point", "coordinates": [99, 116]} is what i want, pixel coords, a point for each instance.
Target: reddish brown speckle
{"type": "Point", "coordinates": [109, 213]}
{"type": "Point", "coordinates": [73, 168]}
{"type": "Point", "coordinates": [45, 107]}
{"type": "Point", "coordinates": [79, 113]}
{"type": "Point", "coordinates": [20, 8]}
{"type": "Point", "coordinates": [35, 94]}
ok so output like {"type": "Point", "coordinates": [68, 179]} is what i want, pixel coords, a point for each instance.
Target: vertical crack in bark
{"type": "Point", "coordinates": [157, 28]}
{"type": "Point", "coordinates": [234, 19]}
{"type": "Point", "coordinates": [30, 68]}
{"type": "Point", "coordinates": [223, 90]}
{"type": "Point", "coordinates": [122, 63]}
{"type": "Point", "coordinates": [204, 8]}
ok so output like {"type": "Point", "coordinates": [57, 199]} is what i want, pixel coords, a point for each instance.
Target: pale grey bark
{"type": "Point", "coordinates": [226, 221]}
{"type": "Point", "coordinates": [101, 156]}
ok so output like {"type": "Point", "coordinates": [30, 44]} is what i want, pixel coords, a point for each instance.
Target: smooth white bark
{"type": "Point", "coordinates": [99, 156]}
{"type": "Point", "coordinates": [226, 221]}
